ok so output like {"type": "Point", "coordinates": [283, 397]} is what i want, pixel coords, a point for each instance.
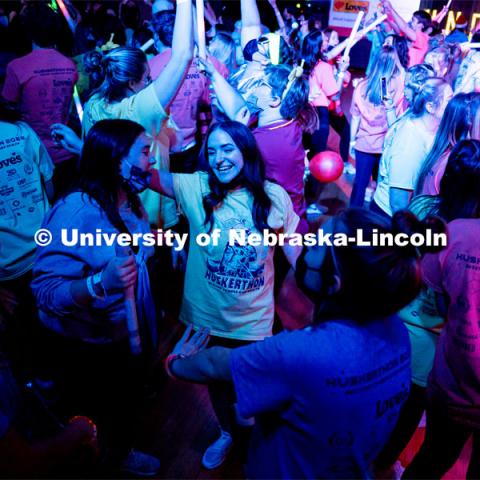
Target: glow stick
{"type": "Point", "coordinates": [71, 24]}
{"type": "Point", "coordinates": [66, 14]}
{"type": "Point", "coordinates": [202, 46]}
{"type": "Point", "coordinates": [147, 45]}
{"type": "Point", "coordinates": [130, 309]}
{"type": "Point", "coordinates": [449, 3]}
{"type": "Point", "coordinates": [274, 48]}
{"type": "Point", "coordinates": [353, 34]}
{"type": "Point", "coordinates": [78, 103]}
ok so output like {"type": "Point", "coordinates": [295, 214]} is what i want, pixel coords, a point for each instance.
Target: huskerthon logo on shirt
{"type": "Point", "coordinates": [238, 271]}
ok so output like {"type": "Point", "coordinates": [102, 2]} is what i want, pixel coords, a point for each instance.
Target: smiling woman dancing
{"type": "Point", "coordinates": [229, 287]}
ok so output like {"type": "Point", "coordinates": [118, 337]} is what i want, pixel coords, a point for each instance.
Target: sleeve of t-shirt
{"type": "Point", "coordinates": [354, 110]}
{"type": "Point", "coordinates": [325, 78]}
{"type": "Point", "coordinates": [58, 266]}
{"type": "Point", "coordinates": [36, 150]}
{"type": "Point", "coordinates": [405, 159]}
{"type": "Point", "coordinates": [260, 376]}
{"type": "Point", "coordinates": [190, 188]}
{"type": "Point", "coordinates": [282, 216]}
{"type": "Point", "coordinates": [11, 88]}
{"type": "Point", "coordinates": [421, 42]}
{"type": "Point", "coordinates": [145, 109]}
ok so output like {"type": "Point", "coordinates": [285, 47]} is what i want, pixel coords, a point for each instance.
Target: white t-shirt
{"type": "Point", "coordinates": [469, 73]}
{"type": "Point", "coordinates": [229, 288]}
{"type": "Point", "coordinates": [24, 167]}
{"type": "Point", "coordinates": [406, 146]}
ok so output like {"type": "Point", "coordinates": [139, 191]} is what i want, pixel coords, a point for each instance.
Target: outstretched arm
{"type": "Point", "coordinates": [278, 16]}
{"type": "Point", "coordinates": [399, 22]}
{"type": "Point", "coordinates": [338, 49]}
{"type": "Point", "coordinates": [169, 81]}
{"type": "Point", "coordinates": [190, 361]}
{"type": "Point", "coordinates": [251, 25]}
{"type": "Point", "coordinates": [442, 13]}
{"type": "Point", "coordinates": [229, 99]}
{"type": "Point", "coordinates": [162, 182]}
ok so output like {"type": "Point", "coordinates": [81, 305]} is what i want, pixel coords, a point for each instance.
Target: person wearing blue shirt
{"type": "Point", "coordinates": [458, 35]}
{"type": "Point", "coordinates": [81, 290]}
{"type": "Point", "coordinates": [325, 399]}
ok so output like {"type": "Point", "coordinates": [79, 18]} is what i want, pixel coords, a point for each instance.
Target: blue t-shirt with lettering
{"type": "Point", "coordinates": [325, 398]}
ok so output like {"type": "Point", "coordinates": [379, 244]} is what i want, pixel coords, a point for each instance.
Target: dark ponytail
{"type": "Point", "coordinates": [115, 70]}
{"type": "Point", "coordinates": [377, 281]}
{"type": "Point", "coordinates": [93, 66]}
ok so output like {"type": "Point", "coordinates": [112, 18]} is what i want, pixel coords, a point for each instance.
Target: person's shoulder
{"type": "Point", "coordinates": [191, 183]}
{"type": "Point", "coordinates": [360, 89]}
{"type": "Point", "coordinates": [97, 108]}
{"type": "Point", "coordinates": [422, 36]}
{"type": "Point", "coordinates": [321, 65]}
{"type": "Point", "coordinates": [29, 134]}
{"type": "Point", "coordinates": [74, 204]}
{"type": "Point", "coordinates": [25, 128]}
{"type": "Point", "coordinates": [18, 63]}
{"type": "Point", "coordinates": [405, 125]}
{"type": "Point", "coordinates": [19, 129]}
{"type": "Point", "coordinates": [463, 228]}
{"type": "Point", "coordinates": [92, 101]}
{"type": "Point", "coordinates": [160, 59]}
{"type": "Point", "coordinates": [286, 343]}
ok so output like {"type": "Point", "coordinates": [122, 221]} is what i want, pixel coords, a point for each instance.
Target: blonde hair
{"type": "Point", "coordinates": [223, 48]}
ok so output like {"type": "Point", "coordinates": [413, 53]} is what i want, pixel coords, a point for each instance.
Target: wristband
{"type": "Point", "coordinates": [91, 291]}
{"type": "Point", "coordinates": [91, 288]}
{"type": "Point", "coordinates": [97, 280]}
{"type": "Point", "coordinates": [168, 364]}
{"type": "Point", "coordinates": [90, 423]}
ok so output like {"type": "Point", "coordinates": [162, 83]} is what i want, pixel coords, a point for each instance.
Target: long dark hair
{"type": "Point", "coordinates": [252, 176]}
{"type": "Point", "coordinates": [460, 185]}
{"type": "Point", "coordinates": [455, 125]}
{"type": "Point", "coordinates": [312, 50]}
{"type": "Point", "coordinates": [295, 104]}
{"type": "Point", "coordinates": [107, 142]}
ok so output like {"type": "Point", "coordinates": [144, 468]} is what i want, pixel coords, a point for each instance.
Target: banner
{"type": "Point", "coordinates": [343, 12]}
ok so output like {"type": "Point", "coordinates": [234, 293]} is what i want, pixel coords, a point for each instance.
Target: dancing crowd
{"type": "Point", "coordinates": [320, 361]}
